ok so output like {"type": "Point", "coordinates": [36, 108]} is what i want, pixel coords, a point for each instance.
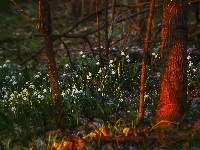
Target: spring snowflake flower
{"type": "Point", "coordinates": [14, 82]}
{"type": "Point", "coordinates": [63, 94]}
{"type": "Point", "coordinates": [188, 57]}
{"type": "Point", "coordinates": [127, 56]}
{"type": "Point", "coordinates": [122, 53]}
{"type": "Point", "coordinates": [128, 60]}
{"type": "Point", "coordinates": [89, 75]}
{"type": "Point", "coordinates": [0, 67]}
{"type": "Point", "coordinates": [7, 77]}
{"type": "Point", "coordinates": [37, 76]}
{"type": "Point", "coordinates": [13, 109]}
{"type": "Point", "coordinates": [12, 95]}
{"type": "Point", "coordinates": [3, 89]}
{"type": "Point", "coordinates": [66, 65]}
{"type": "Point", "coordinates": [31, 86]}
{"type": "Point", "coordinates": [41, 97]}
{"type": "Point", "coordinates": [45, 90]}
{"type": "Point", "coordinates": [83, 56]}
{"type": "Point", "coordinates": [7, 61]}
{"type": "Point", "coordinates": [111, 61]}
{"type": "Point", "coordinates": [5, 96]}
{"type": "Point", "coordinates": [113, 72]}
{"type": "Point", "coordinates": [100, 71]}
{"type": "Point", "coordinates": [97, 63]}
{"type": "Point", "coordinates": [20, 74]}
{"type": "Point", "coordinates": [81, 53]}
{"type": "Point", "coordinates": [25, 98]}
{"type": "Point", "coordinates": [190, 64]}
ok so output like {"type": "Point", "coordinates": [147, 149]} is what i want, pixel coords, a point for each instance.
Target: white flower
{"type": "Point", "coordinates": [5, 96]}
{"type": "Point", "coordinates": [153, 54]}
{"type": "Point", "coordinates": [127, 56]}
{"type": "Point", "coordinates": [97, 63]}
{"type": "Point", "coordinates": [14, 82]}
{"type": "Point", "coordinates": [188, 57]}
{"type": "Point", "coordinates": [31, 86]}
{"type": "Point", "coordinates": [3, 89]}
{"type": "Point", "coordinates": [0, 67]}
{"type": "Point", "coordinates": [4, 65]}
{"type": "Point", "coordinates": [63, 94]}
{"type": "Point", "coordinates": [66, 65]}
{"type": "Point", "coordinates": [45, 90]}
{"type": "Point", "coordinates": [7, 77]}
{"type": "Point", "coordinates": [111, 65]}
{"type": "Point", "coordinates": [13, 109]}
{"type": "Point", "coordinates": [99, 89]}
{"type": "Point", "coordinates": [12, 95]}
{"type": "Point", "coordinates": [88, 77]}
{"type": "Point", "coordinates": [113, 72]}
{"type": "Point", "coordinates": [25, 98]}
{"type": "Point", "coordinates": [81, 53]}
{"type": "Point", "coordinates": [145, 96]}
{"type": "Point", "coordinates": [111, 61]}
{"type": "Point", "coordinates": [90, 74]}
{"type": "Point", "coordinates": [7, 61]}
{"type": "Point", "coordinates": [37, 76]}
{"type": "Point", "coordinates": [100, 71]}
{"type": "Point", "coordinates": [194, 70]}
{"type": "Point", "coordinates": [122, 53]}
{"type": "Point", "coordinates": [41, 96]}
{"type": "Point", "coordinates": [190, 64]}
{"type": "Point", "coordinates": [24, 91]}
{"type": "Point", "coordinates": [20, 74]}
{"type": "Point", "coordinates": [128, 60]}
{"type": "Point", "coordinates": [83, 56]}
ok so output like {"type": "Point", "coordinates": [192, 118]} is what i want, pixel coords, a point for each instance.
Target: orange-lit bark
{"type": "Point", "coordinates": [51, 63]}
{"type": "Point", "coordinates": [173, 88]}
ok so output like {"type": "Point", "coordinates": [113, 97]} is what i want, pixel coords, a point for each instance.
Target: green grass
{"type": "Point", "coordinates": [92, 90]}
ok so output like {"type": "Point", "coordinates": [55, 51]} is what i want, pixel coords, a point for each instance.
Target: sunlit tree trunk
{"type": "Point", "coordinates": [173, 87]}
{"type": "Point", "coordinates": [51, 64]}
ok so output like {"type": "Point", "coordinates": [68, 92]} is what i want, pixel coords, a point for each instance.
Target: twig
{"type": "Point", "coordinates": [37, 26]}
{"type": "Point", "coordinates": [67, 51]}
{"type": "Point", "coordinates": [66, 33]}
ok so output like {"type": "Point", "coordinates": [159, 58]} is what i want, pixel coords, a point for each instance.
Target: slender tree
{"type": "Point", "coordinates": [51, 64]}
{"type": "Point", "coordinates": [144, 59]}
{"type": "Point", "coordinates": [173, 86]}
{"type": "Point", "coordinates": [44, 20]}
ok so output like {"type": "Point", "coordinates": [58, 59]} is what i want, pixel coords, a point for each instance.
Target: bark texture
{"type": "Point", "coordinates": [173, 88]}
{"type": "Point", "coordinates": [51, 64]}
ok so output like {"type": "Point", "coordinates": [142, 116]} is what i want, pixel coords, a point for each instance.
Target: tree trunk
{"type": "Point", "coordinates": [144, 60]}
{"type": "Point", "coordinates": [173, 87]}
{"type": "Point", "coordinates": [51, 64]}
